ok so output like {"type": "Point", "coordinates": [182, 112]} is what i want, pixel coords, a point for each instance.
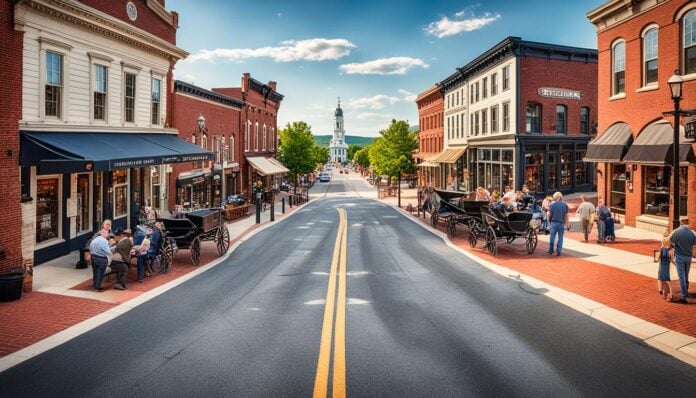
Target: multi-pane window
{"type": "Point", "coordinates": [650, 57]}
{"type": "Point", "coordinates": [533, 120]}
{"type": "Point", "coordinates": [473, 131]}
{"type": "Point", "coordinates": [584, 120]}
{"type": "Point", "coordinates": [494, 84]}
{"type": "Point", "coordinates": [494, 119]}
{"type": "Point", "coordinates": [230, 150]}
{"type": "Point", "coordinates": [246, 135]}
{"type": "Point", "coordinates": [506, 77]}
{"type": "Point", "coordinates": [129, 97]}
{"type": "Point", "coordinates": [462, 117]}
{"type": "Point", "coordinates": [54, 84]}
{"type": "Point", "coordinates": [256, 136]}
{"type": "Point", "coordinates": [156, 102]}
{"type": "Point", "coordinates": [265, 131]}
{"type": "Point", "coordinates": [506, 116]}
{"type": "Point", "coordinates": [476, 123]}
{"type": "Point", "coordinates": [689, 42]}
{"type": "Point", "coordinates": [471, 94]}
{"type": "Point", "coordinates": [456, 101]}
{"type": "Point", "coordinates": [561, 119]}
{"type": "Point", "coordinates": [618, 67]}
{"type": "Point", "coordinates": [477, 91]}
{"type": "Point", "coordinates": [485, 87]}
{"type": "Point", "coordinates": [484, 121]}
{"type": "Point", "coordinates": [99, 92]}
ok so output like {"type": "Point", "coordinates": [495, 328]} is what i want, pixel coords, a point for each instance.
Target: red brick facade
{"type": "Point", "coordinates": [431, 109]}
{"type": "Point", "coordinates": [147, 18]}
{"type": "Point", "coordinates": [539, 72]}
{"type": "Point", "coordinates": [10, 114]}
{"type": "Point", "coordinates": [641, 106]}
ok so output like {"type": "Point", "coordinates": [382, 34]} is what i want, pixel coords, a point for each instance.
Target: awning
{"type": "Point", "coordinates": [79, 152]}
{"type": "Point", "coordinates": [448, 155]}
{"type": "Point", "coordinates": [192, 177]}
{"type": "Point", "coordinates": [611, 146]}
{"type": "Point", "coordinates": [654, 146]}
{"type": "Point", "coordinates": [427, 164]}
{"type": "Point", "coordinates": [266, 166]}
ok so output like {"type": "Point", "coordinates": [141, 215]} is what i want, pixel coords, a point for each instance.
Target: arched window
{"type": "Point", "coordinates": [265, 131]}
{"type": "Point", "coordinates": [561, 119]}
{"type": "Point", "coordinates": [618, 68]}
{"type": "Point", "coordinates": [256, 136]}
{"type": "Point", "coordinates": [204, 142]}
{"type": "Point", "coordinates": [650, 56]}
{"type": "Point", "coordinates": [689, 40]}
{"type": "Point", "coordinates": [246, 135]}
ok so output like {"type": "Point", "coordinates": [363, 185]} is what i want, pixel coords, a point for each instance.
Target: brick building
{"type": "Point", "coordinates": [10, 114]}
{"type": "Point", "coordinates": [212, 121]}
{"type": "Point", "coordinates": [524, 111]}
{"type": "Point", "coordinates": [94, 135]}
{"type": "Point", "coordinates": [258, 131]}
{"type": "Point", "coordinates": [641, 44]}
{"type": "Point", "coordinates": [430, 135]}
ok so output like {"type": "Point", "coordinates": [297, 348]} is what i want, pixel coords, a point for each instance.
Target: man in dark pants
{"type": "Point", "coordinates": [683, 239]}
{"type": "Point", "coordinates": [99, 248]}
{"type": "Point", "coordinates": [559, 218]}
{"type": "Point", "coordinates": [121, 259]}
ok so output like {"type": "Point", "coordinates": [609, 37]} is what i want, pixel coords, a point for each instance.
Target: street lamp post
{"type": "Point", "coordinates": [675, 86]}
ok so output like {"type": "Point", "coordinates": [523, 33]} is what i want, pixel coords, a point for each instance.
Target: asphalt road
{"type": "Point", "coordinates": [409, 316]}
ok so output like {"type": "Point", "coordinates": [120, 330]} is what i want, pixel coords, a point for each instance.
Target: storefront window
{"type": "Point", "coordinates": [534, 171]}
{"type": "Point", "coordinates": [83, 203]}
{"type": "Point", "coordinates": [566, 167]}
{"type": "Point", "coordinates": [658, 187]}
{"type": "Point", "coordinates": [120, 188]}
{"type": "Point", "coordinates": [494, 168]}
{"type": "Point", "coordinates": [47, 209]}
{"type": "Point", "coordinates": [580, 168]}
{"type": "Point", "coordinates": [553, 167]}
{"type": "Point", "coordinates": [155, 182]}
{"type": "Point", "coordinates": [99, 204]}
{"type": "Point", "coordinates": [617, 196]}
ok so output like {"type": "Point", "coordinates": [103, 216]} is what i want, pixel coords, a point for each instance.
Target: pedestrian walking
{"type": "Point", "coordinates": [585, 213]}
{"type": "Point", "coordinates": [683, 239]}
{"type": "Point", "coordinates": [101, 257]}
{"type": "Point", "coordinates": [603, 213]}
{"type": "Point", "coordinates": [560, 220]}
{"type": "Point", "coordinates": [664, 287]}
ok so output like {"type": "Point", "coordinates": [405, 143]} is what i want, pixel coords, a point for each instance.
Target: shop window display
{"type": "Point", "coordinates": [120, 189]}
{"type": "Point", "coordinates": [658, 190]}
{"type": "Point", "coordinates": [617, 196]}
{"type": "Point", "coordinates": [83, 202]}
{"type": "Point", "coordinates": [47, 209]}
{"type": "Point", "coordinates": [534, 171]}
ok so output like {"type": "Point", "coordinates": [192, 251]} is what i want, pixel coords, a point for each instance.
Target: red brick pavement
{"type": "Point", "coordinates": [625, 291]}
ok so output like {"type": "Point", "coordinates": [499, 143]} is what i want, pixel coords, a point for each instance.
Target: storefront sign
{"type": "Point", "coordinates": [133, 163]}
{"type": "Point", "coordinates": [551, 92]}
{"type": "Point", "coordinates": [137, 163]}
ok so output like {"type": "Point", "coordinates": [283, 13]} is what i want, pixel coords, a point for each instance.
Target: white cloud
{"type": "Point", "coordinates": [384, 66]}
{"type": "Point", "coordinates": [374, 116]}
{"type": "Point", "coordinates": [376, 102]}
{"type": "Point", "coordinates": [463, 21]}
{"type": "Point", "coordinates": [288, 51]}
{"type": "Point", "coordinates": [408, 96]}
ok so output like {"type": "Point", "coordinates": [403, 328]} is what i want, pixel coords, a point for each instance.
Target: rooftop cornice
{"type": "Point", "coordinates": [74, 12]}
{"type": "Point", "coordinates": [265, 90]}
{"type": "Point", "coordinates": [190, 89]}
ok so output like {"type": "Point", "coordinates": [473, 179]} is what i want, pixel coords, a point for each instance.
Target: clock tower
{"type": "Point", "coordinates": [338, 148]}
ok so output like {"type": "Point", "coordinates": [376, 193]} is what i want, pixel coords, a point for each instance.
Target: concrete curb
{"type": "Point", "coordinates": [675, 344]}
{"type": "Point", "coordinates": [78, 329]}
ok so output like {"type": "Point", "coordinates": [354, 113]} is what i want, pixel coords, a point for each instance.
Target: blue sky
{"type": "Point", "coordinates": [376, 55]}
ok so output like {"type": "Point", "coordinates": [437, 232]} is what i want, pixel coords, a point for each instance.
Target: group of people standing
{"type": "Point", "coordinates": [589, 214]}
{"type": "Point", "coordinates": [677, 248]}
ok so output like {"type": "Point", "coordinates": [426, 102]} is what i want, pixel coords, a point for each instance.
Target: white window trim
{"type": "Point", "coordinates": [643, 60]}
{"type": "Point", "coordinates": [63, 49]}
{"type": "Point", "coordinates": [265, 131]}
{"type": "Point", "coordinates": [90, 223]}
{"type": "Point", "coordinates": [613, 71]}
{"type": "Point", "coordinates": [247, 135]}
{"type": "Point", "coordinates": [59, 238]}
{"type": "Point", "coordinates": [100, 60]}
{"type": "Point", "coordinates": [256, 136]}
{"type": "Point", "coordinates": [155, 76]}
{"type": "Point", "coordinates": [682, 44]}
{"type": "Point", "coordinates": [230, 150]}
{"type": "Point", "coordinates": [125, 68]}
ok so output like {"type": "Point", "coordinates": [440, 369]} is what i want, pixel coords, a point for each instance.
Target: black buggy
{"type": "Point", "coordinates": [500, 226]}
{"type": "Point", "coordinates": [453, 208]}
{"type": "Point", "coordinates": [196, 227]}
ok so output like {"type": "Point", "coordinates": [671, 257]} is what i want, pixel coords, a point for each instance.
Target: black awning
{"type": "Point", "coordinates": [79, 152]}
{"type": "Point", "coordinates": [654, 146]}
{"type": "Point", "coordinates": [192, 177]}
{"type": "Point", "coordinates": [611, 146]}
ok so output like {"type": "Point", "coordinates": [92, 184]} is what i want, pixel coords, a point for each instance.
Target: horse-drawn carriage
{"type": "Point", "coordinates": [506, 226]}
{"type": "Point", "coordinates": [454, 208]}
{"type": "Point", "coordinates": [196, 227]}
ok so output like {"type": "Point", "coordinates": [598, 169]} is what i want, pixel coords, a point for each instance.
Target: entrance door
{"type": "Point", "coordinates": [534, 172]}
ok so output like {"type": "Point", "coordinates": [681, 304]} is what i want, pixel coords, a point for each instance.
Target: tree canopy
{"type": "Point", "coordinates": [297, 150]}
{"type": "Point", "coordinates": [391, 153]}
{"type": "Point", "coordinates": [352, 148]}
{"type": "Point", "coordinates": [362, 157]}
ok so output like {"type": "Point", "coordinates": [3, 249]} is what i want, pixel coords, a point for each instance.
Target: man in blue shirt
{"type": "Point", "coordinates": [100, 252]}
{"type": "Point", "coordinates": [683, 239]}
{"type": "Point", "coordinates": [559, 218]}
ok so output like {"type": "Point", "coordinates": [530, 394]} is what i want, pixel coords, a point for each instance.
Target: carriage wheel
{"type": "Point", "coordinates": [531, 240]}
{"type": "Point", "coordinates": [167, 256]}
{"type": "Point", "coordinates": [491, 245]}
{"type": "Point", "coordinates": [196, 251]}
{"type": "Point", "coordinates": [473, 239]}
{"type": "Point", "coordinates": [471, 223]}
{"type": "Point", "coordinates": [222, 238]}
{"type": "Point", "coordinates": [433, 218]}
{"type": "Point", "coordinates": [451, 226]}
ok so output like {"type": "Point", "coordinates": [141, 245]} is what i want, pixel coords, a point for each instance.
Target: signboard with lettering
{"type": "Point", "coordinates": [116, 164]}
{"type": "Point", "coordinates": [552, 92]}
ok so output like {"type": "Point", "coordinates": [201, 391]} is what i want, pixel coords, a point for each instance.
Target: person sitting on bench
{"type": "Point", "coordinates": [121, 258]}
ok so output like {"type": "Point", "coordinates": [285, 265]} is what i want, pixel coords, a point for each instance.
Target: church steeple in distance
{"type": "Point", "coordinates": [338, 147]}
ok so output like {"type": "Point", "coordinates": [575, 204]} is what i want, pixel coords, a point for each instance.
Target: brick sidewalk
{"type": "Point", "coordinates": [624, 291]}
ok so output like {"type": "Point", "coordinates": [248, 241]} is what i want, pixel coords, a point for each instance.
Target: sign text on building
{"type": "Point", "coordinates": [559, 93]}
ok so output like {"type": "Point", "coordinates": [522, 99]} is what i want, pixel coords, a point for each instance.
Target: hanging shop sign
{"type": "Point", "coordinates": [551, 92]}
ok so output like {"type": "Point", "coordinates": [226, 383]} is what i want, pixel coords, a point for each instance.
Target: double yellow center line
{"type": "Point", "coordinates": [335, 304]}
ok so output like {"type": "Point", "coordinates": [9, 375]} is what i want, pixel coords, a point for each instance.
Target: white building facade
{"type": "Point", "coordinates": [338, 149]}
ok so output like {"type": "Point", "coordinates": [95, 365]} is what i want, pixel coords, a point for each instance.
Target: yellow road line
{"type": "Point", "coordinates": [322, 377]}
{"type": "Point", "coordinates": [339, 363]}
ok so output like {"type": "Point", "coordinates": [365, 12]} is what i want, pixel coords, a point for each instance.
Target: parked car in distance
{"type": "Point", "coordinates": [324, 177]}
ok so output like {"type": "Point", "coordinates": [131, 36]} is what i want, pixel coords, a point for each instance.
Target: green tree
{"type": "Point", "coordinates": [391, 153]}
{"type": "Point", "coordinates": [321, 154]}
{"type": "Point", "coordinates": [352, 148]}
{"type": "Point", "coordinates": [362, 157]}
{"type": "Point", "coordinates": [297, 150]}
